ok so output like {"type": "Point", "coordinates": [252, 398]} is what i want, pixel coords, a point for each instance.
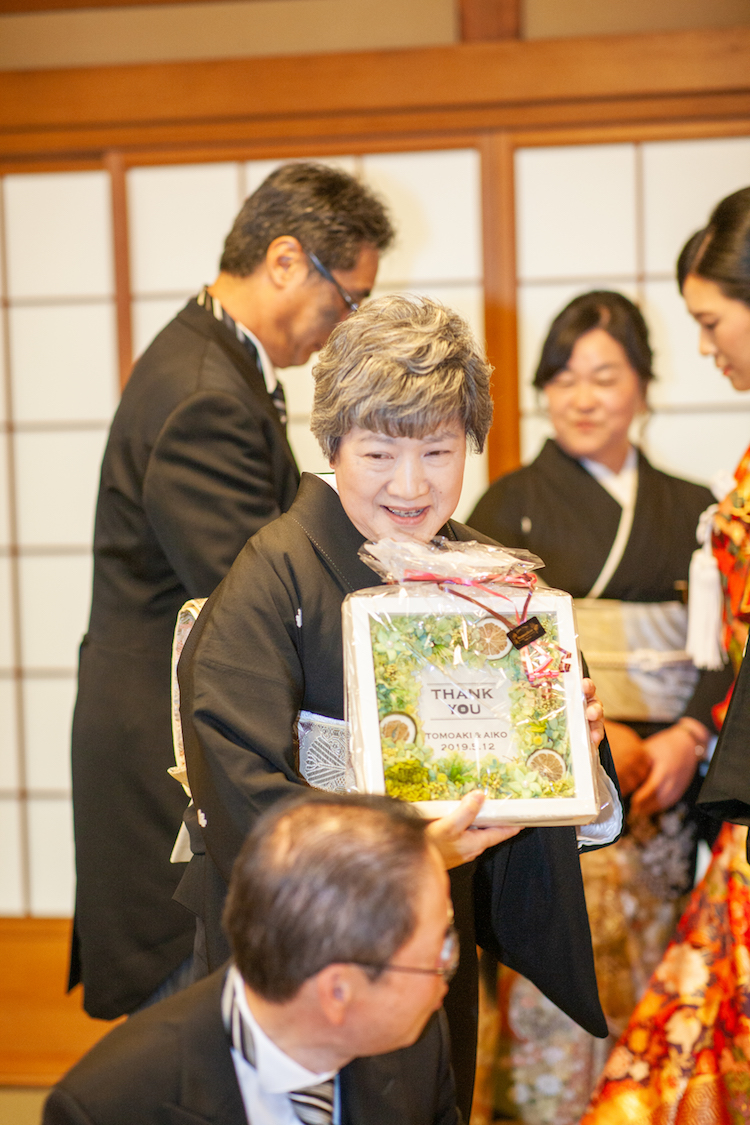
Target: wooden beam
{"type": "Point", "coordinates": [354, 99]}
{"type": "Point", "coordinates": [20, 6]}
{"type": "Point", "coordinates": [490, 19]}
{"type": "Point", "coordinates": [116, 168]}
{"type": "Point", "coordinates": [499, 236]}
{"type": "Point", "coordinates": [465, 76]}
{"type": "Point", "coordinates": [43, 1030]}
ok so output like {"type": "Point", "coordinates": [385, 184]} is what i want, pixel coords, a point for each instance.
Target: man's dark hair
{"type": "Point", "coordinates": [322, 880]}
{"type": "Point", "coordinates": [601, 308]}
{"type": "Point", "coordinates": [328, 211]}
{"type": "Point", "coordinates": [721, 251]}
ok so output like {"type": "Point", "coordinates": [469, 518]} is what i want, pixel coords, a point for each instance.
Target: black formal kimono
{"type": "Point", "coordinates": [558, 510]}
{"type": "Point", "coordinates": [196, 462]}
{"type": "Point", "coordinates": [171, 1065]}
{"type": "Point", "coordinates": [555, 508]}
{"type": "Point", "coordinates": [267, 645]}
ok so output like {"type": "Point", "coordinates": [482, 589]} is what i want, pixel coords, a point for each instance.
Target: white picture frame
{"type": "Point", "coordinates": [484, 711]}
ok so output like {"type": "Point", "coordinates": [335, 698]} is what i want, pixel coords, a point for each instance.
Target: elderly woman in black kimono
{"type": "Point", "coordinates": [401, 388]}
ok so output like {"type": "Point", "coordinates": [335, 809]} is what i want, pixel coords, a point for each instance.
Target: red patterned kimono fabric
{"type": "Point", "coordinates": [684, 1058]}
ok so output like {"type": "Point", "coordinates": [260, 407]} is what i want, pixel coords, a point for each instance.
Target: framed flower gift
{"type": "Point", "coordinates": [474, 684]}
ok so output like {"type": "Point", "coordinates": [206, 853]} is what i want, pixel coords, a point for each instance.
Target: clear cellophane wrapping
{"type": "Point", "coordinates": [460, 674]}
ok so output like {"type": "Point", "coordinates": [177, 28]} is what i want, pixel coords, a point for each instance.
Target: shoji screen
{"type": "Point", "coordinates": [60, 380]}
{"type": "Point", "coordinates": [616, 216]}
{"type": "Point", "coordinates": [59, 367]}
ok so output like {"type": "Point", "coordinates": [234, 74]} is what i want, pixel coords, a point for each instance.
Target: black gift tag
{"type": "Point", "coordinates": [529, 630]}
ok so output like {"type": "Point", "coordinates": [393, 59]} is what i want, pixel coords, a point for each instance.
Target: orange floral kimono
{"type": "Point", "coordinates": [684, 1058]}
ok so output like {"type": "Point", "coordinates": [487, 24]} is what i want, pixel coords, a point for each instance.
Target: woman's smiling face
{"type": "Point", "coordinates": [400, 487]}
{"type": "Point", "coordinates": [724, 328]}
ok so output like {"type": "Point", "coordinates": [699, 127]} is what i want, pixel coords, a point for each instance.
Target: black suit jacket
{"type": "Point", "coordinates": [196, 462]}
{"type": "Point", "coordinates": [171, 1065]}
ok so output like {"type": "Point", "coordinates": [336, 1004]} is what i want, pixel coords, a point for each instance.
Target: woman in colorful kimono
{"type": "Point", "coordinates": [685, 1054]}
{"type": "Point", "coordinates": [618, 534]}
{"type": "Point", "coordinates": [400, 389]}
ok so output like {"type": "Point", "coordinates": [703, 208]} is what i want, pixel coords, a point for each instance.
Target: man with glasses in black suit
{"type": "Point", "coordinates": [197, 461]}
{"type": "Point", "coordinates": [340, 924]}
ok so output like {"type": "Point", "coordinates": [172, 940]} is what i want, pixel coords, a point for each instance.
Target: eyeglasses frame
{"type": "Point", "coordinates": [449, 953]}
{"type": "Point", "coordinates": [326, 273]}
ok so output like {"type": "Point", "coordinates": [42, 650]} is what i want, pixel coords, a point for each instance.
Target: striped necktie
{"type": "Point", "coordinates": [217, 310]}
{"type": "Point", "coordinates": [279, 401]}
{"type": "Point", "coordinates": [314, 1104]}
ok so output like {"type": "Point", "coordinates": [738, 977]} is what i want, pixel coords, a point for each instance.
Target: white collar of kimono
{"type": "Point", "coordinates": [623, 485]}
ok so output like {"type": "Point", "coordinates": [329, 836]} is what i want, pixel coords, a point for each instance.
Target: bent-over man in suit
{"type": "Point", "coordinates": [340, 924]}
{"type": "Point", "coordinates": [197, 461]}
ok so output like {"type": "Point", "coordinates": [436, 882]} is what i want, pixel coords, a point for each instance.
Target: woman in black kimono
{"type": "Point", "coordinates": [400, 388]}
{"type": "Point", "coordinates": [618, 535]}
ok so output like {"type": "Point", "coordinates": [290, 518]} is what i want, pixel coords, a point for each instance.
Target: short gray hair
{"type": "Point", "coordinates": [401, 366]}
{"type": "Point", "coordinates": [324, 878]}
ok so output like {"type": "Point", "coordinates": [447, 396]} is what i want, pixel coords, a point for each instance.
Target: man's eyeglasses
{"type": "Point", "coordinates": [447, 962]}
{"type": "Point", "coordinates": [326, 273]}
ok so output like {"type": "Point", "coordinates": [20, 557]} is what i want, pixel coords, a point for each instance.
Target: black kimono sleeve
{"type": "Point", "coordinates": [241, 685]}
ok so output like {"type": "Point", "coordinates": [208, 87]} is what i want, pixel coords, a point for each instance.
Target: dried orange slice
{"type": "Point", "coordinates": [489, 638]}
{"type": "Point", "coordinates": [548, 763]}
{"type": "Point", "coordinates": [398, 727]}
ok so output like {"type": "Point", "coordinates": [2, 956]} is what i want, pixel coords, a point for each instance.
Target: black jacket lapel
{"type": "Point", "coordinates": [209, 1090]}
{"type": "Point", "coordinates": [202, 322]}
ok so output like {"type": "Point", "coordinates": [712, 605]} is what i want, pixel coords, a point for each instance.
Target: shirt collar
{"type": "Point", "coordinates": [215, 307]}
{"type": "Point", "coordinates": [277, 1072]}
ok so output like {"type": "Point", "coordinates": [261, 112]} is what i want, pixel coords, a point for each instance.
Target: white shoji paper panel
{"type": "Point", "coordinates": [306, 449]}
{"type": "Point", "coordinates": [150, 316]}
{"type": "Point", "coordinates": [435, 201]}
{"type": "Point", "coordinates": [535, 429]}
{"type": "Point", "coordinates": [55, 600]}
{"type": "Point", "coordinates": [11, 889]}
{"type": "Point", "coordinates": [6, 618]}
{"type": "Point", "coordinates": [179, 217]}
{"type": "Point", "coordinates": [64, 363]}
{"type": "Point", "coordinates": [59, 241]}
{"type": "Point", "coordinates": [576, 211]}
{"type": "Point", "coordinates": [299, 388]}
{"type": "Point", "coordinates": [58, 479]}
{"type": "Point", "coordinates": [8, 734]}
{"type": "Point", "coordinates": [48, 711]}
{"type": "Point", "coordinates": [3, 416]}
{"type": "Point", "coordinates": [683, 181]}
{"type": "Point", "coordinates": [697, 446]}
{"type": "Point", "coordinates": [4, 495]}
{"type": "Point", "coordinates": [684, 375]}
{"type": "Point", "coordinates": [51, 856]}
